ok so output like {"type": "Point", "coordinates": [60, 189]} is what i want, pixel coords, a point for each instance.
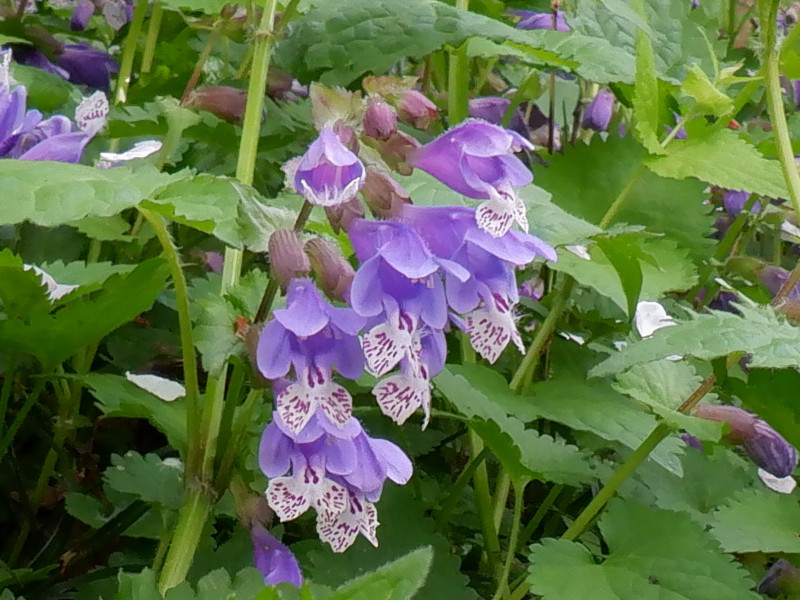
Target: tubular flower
{"type": "Point", "coordinates": [476, 159]}
{"type": "Point", "coordinates": [87, 66]}
{"type": "Point", "coordinates": [493, 109]}
{"type": "Point", "coordinates": [26, 136]}
{"type": "Point", "coordinates": [312, 337]}
{"type": "Point", "coordinates": [328, 174]}
{"type": "Point", "coordinates": [541, 20]}
{"type": "Point", "coordinates": [599, 112]}
{"type": "Point", "coordinates": [338, 472]}
{"type": "Point", "coordinates": [275, 561]}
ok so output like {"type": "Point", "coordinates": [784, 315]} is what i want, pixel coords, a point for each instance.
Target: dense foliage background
{"type": "Point", "coordinates": [617, 458]}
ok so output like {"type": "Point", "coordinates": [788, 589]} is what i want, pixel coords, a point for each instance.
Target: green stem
{"type": "Point", "coordinates": [453, 496]}
{"type": "Point", "coordinates": [641, 453]}
{"type": "Point", "coordinates": [501, 490]}
{"type": "Point", "coordinates": [777, 115]}
{"type": "Point", "coordinates": [129, 52]}
{"type": "Point", "coordinates": [191, 520]}
{"type": "Point", "coordinates": [787, 286]}
{"type": "Point", "coordinates": [543, 333]}
{"type": "Point", "coordinates": [238, 433]}
{"type": "Point", "coordinates": [201, 61]}
{"type": "Point", "coordinates": [612, 211]}
{"type": "Point", "coordinates": [512, 542]}
{"type": "Point", "coordinates": [8, 438]}
{"type": "Point", "coordinates": [153, 29]}
{"type": "Point", "coordinates": [540, 513]}
{"type": "Point", "coordinates": [5, 391]}
{"type": "Point", "coordinates": [480, 480]}
{"type": "Point", "coordinates": [187, 342]}
{"type": "Point", "coordinates": [458, 79]}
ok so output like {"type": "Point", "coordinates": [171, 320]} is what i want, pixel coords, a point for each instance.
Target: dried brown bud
{"type": "Point", "coordinates": [380, 120]}
{"type": "Point", "coordinates": [347, 136]}
{"type": "Point", "coordinates": [334, 274]}
{"type": "Point", "coordinates": [228, 103]}
{"type": "Point", "coordinates": [415, 109]}
{"type": "Point", "coordinates": [286, 256]}
{"type": "Point", "coordinates": [384, 196]}
{"type": "Point", "coordinates": [341, 215]}
{"type": "Point", "coordinates": [397, 150]}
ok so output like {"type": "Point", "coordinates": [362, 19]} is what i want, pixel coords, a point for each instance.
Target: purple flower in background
{"type": "Point", "coordinates": [87, 66]}
{"type": "Point", "coordinates": [338, 472]}
{"type": "Point", "coordinates": [29, 56]}
{"type": "Point", "coordinates": [599, 112]}
{"type": "Point", "coordinates": [275, 562]}
{"type": "Point", "coordinates": [734, 201]}
{"type": "Point", "coordinates": [493, 109]}
{"type": "Point", "coordinates": [782, 579]}
{"type": "Point", "coordinates": [26, 136]}
{"type": "Point", "coordinates": [774, 278]}
{"type": "Point", "coordinates": [476, 159]}
{"type": "Point", "coordinates": [541, 20]}
{"type": "Point", "coordinates": [312, 337]}
{"type": "Point", "coordinates": [770, 450]}
{"type": "Point", "coordinates": [328, 174]}
{"type": "Point", "coordinates": [81, 15]}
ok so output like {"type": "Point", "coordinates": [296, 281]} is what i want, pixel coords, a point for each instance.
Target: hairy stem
{"type": "Point", "coordinates": [458, 80]}
{"type": "Point", "coordinates": [480, 480]}
{"type": "Point", "coordinates": [129, 52]}
{"type": "Point", "coordinates": [512, 542]}
{"type": "Point", "coordinates": [153, 29]}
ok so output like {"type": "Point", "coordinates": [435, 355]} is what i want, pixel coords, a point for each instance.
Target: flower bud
{"type": "Point", "coordinates": [81, 15]}
{"type": "Point", "coordinates": [347, 136]}
{"type": "Point", "coordinates": [416, 110]}
{"type": "Point", "coordinates": [333, 273]}
{"type": "Point", "coordinates": [770, 451]}
{"type": "Point", "coordinates": [384, 196]}
{"type": "Point", "coordinates": [599, 112]}
{"type": "Point", "coordinates": [228, 103]}
{"type": "Point", "coordinates": [493, 109]}
{"type": "Point", "coordinates": [341, 215]}
{"type": "Point", "coordinates": [396, 152]}
{"type": "Point", "coordinates": [742, 424]}
{"type": "Point", "coordinates": [286, 256]}
{"type": "Point", "coordinates": [774, 278]}
{"type": "Point", "coordinates": [781, 579]}
{"type": "Point", "coordinates": [380, 120]}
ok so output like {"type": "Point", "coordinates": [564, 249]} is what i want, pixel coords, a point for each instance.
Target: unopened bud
{"type": "Point", "coordinates": [599, 112]}
{"type": "Point", "coordinates": [347, 136]}
{"type": "Point", "coordinates": [279, 83]}
{"type": "Point", "coordinates": [228, 103]}
{"type": "Point", "coordinates": [396, 152]}
{"type": "Point", "coordinates": [770, 451]}
{"type": "Point", "coordinates": [774, 278]}
{"type": "Point", "coordinates": [341, 215]}
{"type": "Point", "coordinates": [782, 579]}
{"type": "Point", "coordinates": [81, 15]}
{"type": "Point", "coordinates": [333, 273]}
{"type": "Point", "coordinates": [415, 109]}
{"type": "Point", "coordinates": [380, 120]}
{"type": "Point", "coordinates": [286, 256]}
{"type": "Point", "coordinates": [384, 196]}
{"type": "Point", "coordinates": [742, 424]}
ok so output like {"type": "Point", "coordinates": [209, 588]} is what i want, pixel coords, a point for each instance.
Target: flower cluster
{"type": "Point", "coordinates": [421, 270]}
{"type": "Point", "coordinates": [26, 135]}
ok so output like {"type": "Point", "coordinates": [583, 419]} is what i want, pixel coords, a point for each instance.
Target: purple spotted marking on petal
{"type": "Point", "coordinates": [295, 406]}
{"type": "Point", "coordinates": [399, 396]}
{"type": "Point", "coordinates": [336, 403]}
{"type": "Point", "coordinates": [387, 344]}
{"type": "Point", "coordinates": [288, 497]}
{"type": "Point", "coordinates": [491, 328]}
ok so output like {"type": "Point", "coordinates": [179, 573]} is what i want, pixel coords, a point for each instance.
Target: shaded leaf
{"type": "Point", "coordinates": [758, 521]}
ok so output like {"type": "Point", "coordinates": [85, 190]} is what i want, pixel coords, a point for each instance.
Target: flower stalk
{"type": "Point", "coordinates": [129, 52]}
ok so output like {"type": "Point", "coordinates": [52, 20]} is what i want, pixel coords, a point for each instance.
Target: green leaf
{"type": "Point", "coordinates": [672, 271]}
{"type": "Point", "coordinates": [724, 159]}
{"type": "Point", "coordinates": [223, 207]}
{"type": "Point", "coordinates": [707, 98]}
{"type": "Point", "coordinates": [54, 338]}
{"type": "Point", "coordinates": [138, 586]}
{"type": "Point", "coordinates": [398, 580]}
{"type": "Point", "coordinates": [405, 525]}
{"type": "Point", "coordinates": [209, 7]}
{"type": "Point", "coordinates": [148, 477]}
{"type": "Point", "coordinates": [22, 291]}
{"type": "Point", "coordinates": [604, 171]}
{"type": "Point", "coordinates": [337, 43]}
{"type": "Point", "coordinates": [105, 229]}
{"type": "Point", "coordinates": [758, 521]}
{"type": "Point", "coordinates": [772, 395]}
{"type": "Point", "coordinates": [772, 341]}
{"type": "Point", "coordinates": [653, 554]}
{"type": "Point", "coordinates": [86, 509]}
{"type": "Point", "coordinates": [525, 453]}
{"type": "Point", "coordinates": [646, 98]}
{"type": "Point", "coordinates": [118, 397]}
{"type": "Point", "coordinates": [46, 91]}
{"type": "Point", "coordinates": [53, 193]}
{"type": "Point", "coordinates": [664, 385]}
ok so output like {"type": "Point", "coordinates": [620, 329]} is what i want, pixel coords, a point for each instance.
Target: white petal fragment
{"type": "Point", "coordinates": [160, 387]}
{"type": "Point", "coordinates": [90, 116]}
{"type": "Point", "coordinates": [650, 317]}
{"type": "Point", "coordinates": [782, 485]}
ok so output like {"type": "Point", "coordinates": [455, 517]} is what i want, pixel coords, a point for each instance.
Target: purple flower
{"type": "Point", "coordinates": [770, 451]}
{"type": "Point", "coordinates": [29, 56]}
{"type": "Point", "coordinates": [338, 472]}
{"type": "Point", "coordinates": [782, 579]}
{"type": "Point", "coordinates": [734, 202]}
{"type": "Point", "coordinates": [312, 337]}
{"type": "Point", "coordinates": [275, 561]}
{"type": "Point", "coordinates": [328, 174]}
{"type": "Point", "coordinates": [476, 159]}
{"type": "Point", "coordinates": [541, 20]}
{"type": "Point", "coordinates": [24, 135]}
{"type": "Point", "coordinates": [493, 109]}
{"type": "Point", "coordinates": [81, 15]}
{"type": "Point", "coordinates": [774, 278]}
{"type": "Point", "coordinates": [488, 295]}
{"type": "Point", "coordinates": [599, 112]}
{"type": "Point", "coordinates": [87, 66]}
